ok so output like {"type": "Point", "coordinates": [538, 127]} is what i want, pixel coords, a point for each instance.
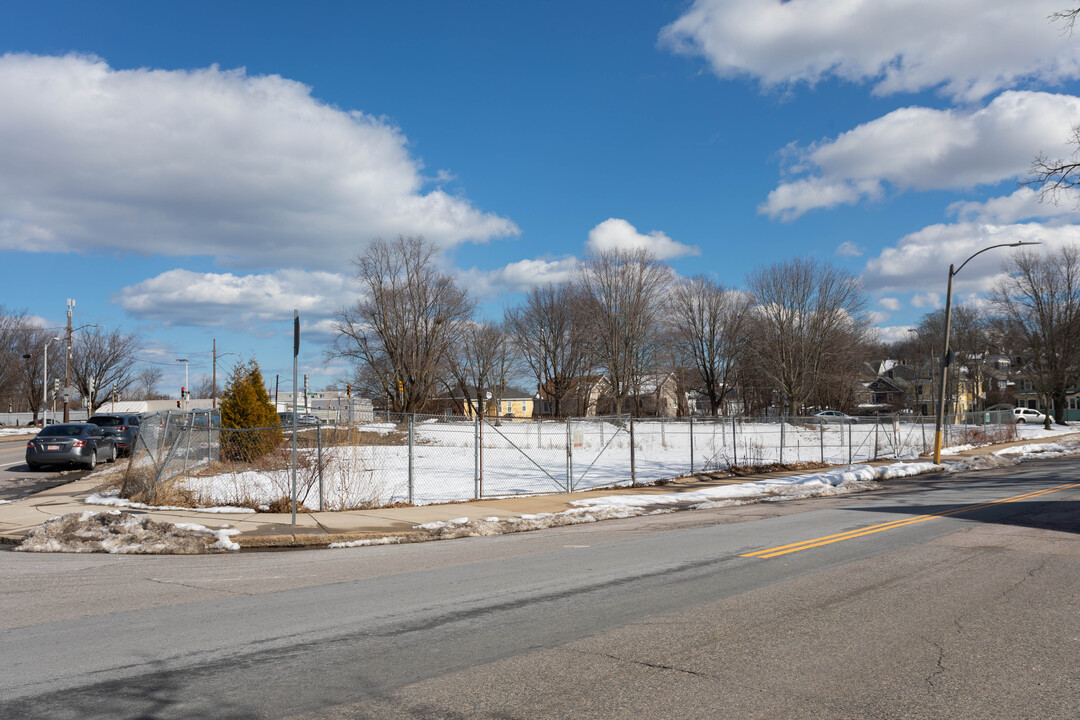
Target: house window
{"type": "Point", "coordinates": [523, 408]}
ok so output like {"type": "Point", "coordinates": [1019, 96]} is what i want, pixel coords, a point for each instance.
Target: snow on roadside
{"type": "Point", "coordinates": [1016, 455]}
{"type": "Point", "coordinates": [113, 531]}
{"type": "Point", "coordinates": [112, 498]}
{"type": "Point", "coordinates": [854, 478]}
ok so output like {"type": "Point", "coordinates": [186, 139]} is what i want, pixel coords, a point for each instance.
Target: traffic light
{"type": "Point", "coordinates": [177, 403]}
{"type": "Point", "coordinates": [183, 392]}
{"type": "Point", "coordinates": [348, 391]}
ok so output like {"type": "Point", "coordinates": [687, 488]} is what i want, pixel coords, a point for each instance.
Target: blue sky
{"type": "Point", "coordinates": [191, 171]}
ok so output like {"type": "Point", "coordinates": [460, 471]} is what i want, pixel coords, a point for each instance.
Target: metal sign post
{"type": "Point", "coordinates": [295, 354]}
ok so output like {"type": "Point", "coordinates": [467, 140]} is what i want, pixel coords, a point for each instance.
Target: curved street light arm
{"type": "Point", "coordinates": [1015, 244]}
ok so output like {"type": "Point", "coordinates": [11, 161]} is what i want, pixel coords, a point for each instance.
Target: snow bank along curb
{"type": "Point", "coordinates": [113, 531]}
{"type": "Point", "coordinates": [856, 478]}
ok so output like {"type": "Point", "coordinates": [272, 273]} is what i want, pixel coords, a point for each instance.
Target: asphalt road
{"type": "Point", "coordinates": [16, 479]}
{"type": "Point", "coordinates": [941, 597]}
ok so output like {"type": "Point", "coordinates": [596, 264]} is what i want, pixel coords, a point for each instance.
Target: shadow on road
{"type": "Point", "coordinates": [1045, 514]}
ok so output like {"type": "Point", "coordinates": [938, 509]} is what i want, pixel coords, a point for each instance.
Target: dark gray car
{"type": "Point", "coordinates": [123, 428]}
{"type": "Point", "coordinates": [70, 444]}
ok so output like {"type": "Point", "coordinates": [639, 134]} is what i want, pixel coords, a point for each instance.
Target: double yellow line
{"type": "Point", "coordinates": [829, 539]}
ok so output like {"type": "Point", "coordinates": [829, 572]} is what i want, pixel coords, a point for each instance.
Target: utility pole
{"type": "Point", "coordinates": [67, 365]}
{"type": "Point", "coordinates": [213, 377]}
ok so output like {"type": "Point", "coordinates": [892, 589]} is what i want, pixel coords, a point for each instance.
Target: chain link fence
{"type": "Point", "coordinates": [407, 458]}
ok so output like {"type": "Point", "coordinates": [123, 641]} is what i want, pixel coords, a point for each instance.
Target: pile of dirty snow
{"type": "Point", "coordinates": [113, 531]}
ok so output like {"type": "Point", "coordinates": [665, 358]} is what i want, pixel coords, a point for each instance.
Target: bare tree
{"type": "Point", "coordinates": [623, 292]}
{"type": "Point", "coordinates": [480, 364]}
{"type": "Point", "coordinates": [14, 343]}
{"type": "Point", "coordinates": [146, 381]}
{"type": "Point", "coordinates": [969, 338]}
{"type": "Point", "coordinates": [27, 341]}
{"type": "Point", "coordinates": [548, 331]}
{"type": "Point", "coordinates": [1055, 176]}
{"type": "Point", "coordinates": [205, 388]}
{"type": "Point", "coordinates": [406, 323]}
{"type": "Point", "coordinates": [1039, 302]}
{"type": "Point", "coordinates": [710, 323]}
{"type": "Point", "coordinates": [809, 319]}
{"type": "Point", "coordinates": [108, 359]}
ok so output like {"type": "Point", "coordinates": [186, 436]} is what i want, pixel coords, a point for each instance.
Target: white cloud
{"type": "Point", "coordinates": [1024, 204]}
{"type": "Point", "coordinates": [889, 303]}
{"type": "Point", "coordinates": [618, 234]}
{"type": "Point", "coordinates": [894, 333]}
{"type": "Point", "coordinates": [249, 169]}
{"type": "Point", "coordinates": [876, 317]}
{"type": "Point", "coordinates": [920, 261]}
{"type": "Point", "coordinates": [926, 300]}
{"type": "Point", "coordinates": [849, 249]}
{"type": "Point", "coordinates": [182, 297]}
{"type": "Point", "coordinates": [967, 48]}
{"type": "Point", "coordinates": [520, 276]}
{"type": "Point", "coordinates": [926, 149]}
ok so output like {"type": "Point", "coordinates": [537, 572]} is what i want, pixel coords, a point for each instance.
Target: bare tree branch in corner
{"type": "Point", "coordinates": [1056, 176]}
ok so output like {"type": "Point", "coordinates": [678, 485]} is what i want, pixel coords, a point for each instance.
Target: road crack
{"type": "Point", "coordinates": [939, 668]}
{"type": "Point", "coordinates": [654, 666]}
{"type": "Point", "coordinates": [196, 587]}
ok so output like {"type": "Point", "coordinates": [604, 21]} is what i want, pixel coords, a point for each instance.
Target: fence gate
{"type": "Point", "coordinates": [565, 455]}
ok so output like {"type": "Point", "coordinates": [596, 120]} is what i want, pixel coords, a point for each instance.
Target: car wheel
{"type": "Point", "coordinates": [1020, 421]}
{"type": "Point", "coordinates": [112, 453]}
{"type": "Point", "coordinates": [92, 462]}
{"type": "Point", "coordinates": [33, 467]}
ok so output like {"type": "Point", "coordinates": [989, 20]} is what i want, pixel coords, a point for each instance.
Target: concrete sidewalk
{"type": "Point", "coordinates": [313, 529]}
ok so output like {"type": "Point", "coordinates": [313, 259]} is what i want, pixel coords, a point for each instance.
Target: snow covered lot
{"type": "Point", "coordinates": [449, 464]}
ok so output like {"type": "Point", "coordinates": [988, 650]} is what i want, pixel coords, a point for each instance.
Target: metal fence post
{"type": "Point", "coordinates": [782, 440]}
{"type": "Point", "coordinates": [821, 435]}
{"type": "Point", "coordinates": [691, 444]}
{"type": "Point", "coordinates": [734, 444]}
{"type": "Point", "coordinates": [569, 456]}
{"type": "Point", "coordinates": [633, 468]}
{"type": "Point", "coordinates": [849, 446]}
{"type": "Point", "coordinates": [411, 416]}
{"type": "Point", "coordinates": [922, 427]}
{"type": "Point", "coordinates": [322, 501]}
{"type": "Point", "coordinates": [476, 457]}
{"type": "Point", "coordinates": [877, 425]}
{"type": "Point", "coordinates": [189, 433]}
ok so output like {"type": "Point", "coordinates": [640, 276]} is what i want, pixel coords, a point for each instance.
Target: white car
{"type": "Point", "coordinates": [1028, 415]}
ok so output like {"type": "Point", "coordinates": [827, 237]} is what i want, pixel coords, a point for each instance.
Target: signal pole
{"type": "Point", "coordinates": [67, 365]}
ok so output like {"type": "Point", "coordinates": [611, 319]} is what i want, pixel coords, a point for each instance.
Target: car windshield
{"type": "Point", "coordinates": [61, 431]}
{"type": "Point", "coordinates": [106, 421]}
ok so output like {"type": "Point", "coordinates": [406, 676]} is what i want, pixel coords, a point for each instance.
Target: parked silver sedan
{"type": "Point", "coordinates": [70, 444]}
{"type": "Point", "coordinates": [831, 416]}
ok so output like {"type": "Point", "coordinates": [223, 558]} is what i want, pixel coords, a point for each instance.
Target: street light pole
{"type": "Point", "coordinates": [67, 366]}
{"type": "Point", "coordinates": [184, 390]}
{"type": "Point", "coordinates": [945, 359]}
